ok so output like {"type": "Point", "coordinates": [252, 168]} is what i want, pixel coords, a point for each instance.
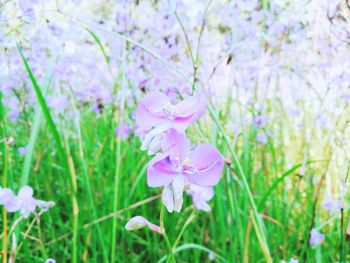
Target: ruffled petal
{"type": "Point", "coordinates": [150, 111]}
{"type": "Point", "coordinates": [9, 200]}
{"type": "Point", "coordinates": [208, 164]}
{"type": "Point", "coordinates": [160, 171]}
{"type": "Point", "coordinates": [188, 111]}
{"type": "Point", "coordinates": [176, 144]}
{"type": "Point", "coordinates": [28, 203]}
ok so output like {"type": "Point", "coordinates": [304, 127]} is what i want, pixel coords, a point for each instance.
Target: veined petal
{"type": "Point", "coordinates": [208, 163]}
{"type": "Point", "coordinates": [150, 112]}
{"type": "Point", "coordinates": [160, 171]}
{"type": "Point", "coordinates": [178, 186]}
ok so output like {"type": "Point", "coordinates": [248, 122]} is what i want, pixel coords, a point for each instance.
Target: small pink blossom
{"type": "Point", "coordinates": [139, 222]}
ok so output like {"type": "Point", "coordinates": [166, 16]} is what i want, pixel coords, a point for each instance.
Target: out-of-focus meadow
{"type": "Point", "coordinates": [276, 77]}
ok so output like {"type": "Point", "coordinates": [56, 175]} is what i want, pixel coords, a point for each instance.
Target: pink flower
{"type": "Point", "coordinates": [139, 222]}
{"type": "Point", "coordinates": [23, 202]}
{"type": "Point", "coordinates": [200, 196]}
{"type": "Point", "coordinates": [178, 166]}
{"type": "Point", "coordinates": [316, 237]}
{"type": "Point", "coordinates": [156, 114]}
{"type": "Point", "coordinates": [123, 131]}
{"type": "Point", "coordinates": [332, 204]}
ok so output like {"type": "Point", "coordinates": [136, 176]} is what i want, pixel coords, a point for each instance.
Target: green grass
{"type": "Point", "coordinates": [283, 198]}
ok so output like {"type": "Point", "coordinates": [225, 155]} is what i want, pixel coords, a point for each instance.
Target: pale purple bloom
{"type": "Point", "coordinates": [211, 255]}
{"type": "Point", "coordinates": [139, 222]}
{"type": "Point", "coordinates": [58, 103]}
{"type": "Point", "coordinates": [123, 131]}
{"type": "Point", "coordinates": [156, 111]}
{"type": "Point", "coordinates": [292, 260]}
{"type": "Point", "coordinates": [178, 166]}
{"type": "Point", "coordinates": [332, 204]}
{"type": "Point", "coordinates": [200, 196]}
{"type": "Point", "coordinates": [9, 200]}
{"type": "Point", "coordinates": [346, 96]}
{"type": "Point", "coordinates": [261, 137]}
{"type": "Point", "coordinates": [50, 260]}
{"type": "Point", "coordinates": [23, 202]}
{"type": "Point", "coordinates": [22, 150]}
{"type": "Point", "coordinates": [260, 120]}
{"type": "Point", "coordinates": [316, 237]}
{"type": "Point", "coordinates": [27, 5]}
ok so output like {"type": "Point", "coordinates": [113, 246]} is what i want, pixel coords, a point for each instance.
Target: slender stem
{"type": "Point", "coordinates": [118, 161]}
{"type": "Point", "coordinates": [258, 226]}
{"type": "Point", "coordinates": [171, 257]}
{"type": "Point", "coordinates": [5, 153]}
{"type": "Point", "coordinates": [188, 221]}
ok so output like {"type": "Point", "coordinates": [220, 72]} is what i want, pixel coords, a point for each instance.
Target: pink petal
{"type": "Point", "coordinates": [200, 196]}
{"type": "Point", "coordinates": [176, 144]}
{"type": "Point", "coordinates": [149, 112]}
{"type": "Point", "coordinates": [160, 171]}
{"type": "Point", "coordinates": [9, 200]}
{"type": "Point", "coordinates": [25, 192]}
{"type": "Point", "coordinates": [139, 222]}
{"type": "Point", "coordinates": [28, 203]}
{"type": "Point", "coordinates": [188, 111]}
{"type": "Point", "coordinates": [209, 164]}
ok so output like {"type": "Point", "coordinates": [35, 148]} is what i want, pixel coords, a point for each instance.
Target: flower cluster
{"type": "Point", "coordinates": [177, 166]}
{"type": "Point", "coordinates": [23, 201]}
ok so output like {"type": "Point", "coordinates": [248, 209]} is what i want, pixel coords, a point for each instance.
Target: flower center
{"type": "Point", "coordinates": [169, 110]}
{"type": "Point", "coordinates": [188, 167]}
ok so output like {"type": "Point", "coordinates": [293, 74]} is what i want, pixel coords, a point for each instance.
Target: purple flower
{"type": "Point", "coordinates": [331, 204]}
{"type": "Point", "coordinates": [22, 150]}
{"type": "Point", "coordinates": [200, 196]}
{"type": "Point", "coordinates": [58, 103]}
{"type": "Point", "coordinates": [211, 255]}
{"type": "Point", "coordinates": [260, 121]}
{"type": "Point", "coordinates": [261, 137]}
{"type": "Point", "coordinates": [178, 166]}
{"type": "Point", "coordinates": [139, 222]}
{"type": "Point", "coordinates": [9, 200]}
{"type": "Point", "coordinates": [316, 237]}
{"type": "Point", "coordinates": [50, 260]}
{"type": "Point", "coordinates": [27, 5]}
{"type": "Point", "coordinates": [123, 131]}
{"type": "Point", "coordinates": [157, 112]}
{"type": "Point", "coordinates": [292, 260]}
{"type": "Point", "coordinates": [23, 202]}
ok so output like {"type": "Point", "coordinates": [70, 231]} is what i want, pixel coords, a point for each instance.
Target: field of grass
{"type": "Point", "coordinates": [286, 159]}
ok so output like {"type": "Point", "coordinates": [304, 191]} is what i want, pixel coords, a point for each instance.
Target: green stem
{"type": "Point", "coordinates": [258, 224]}
{"type": "Point", "coordinates": [118, 161]}
{"type": "Point", "coordinates": [188, 221]}
{"type": "Point", "coordinates": [5, 154]}
{"type": "Point", "coordinates": [170, 257]}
